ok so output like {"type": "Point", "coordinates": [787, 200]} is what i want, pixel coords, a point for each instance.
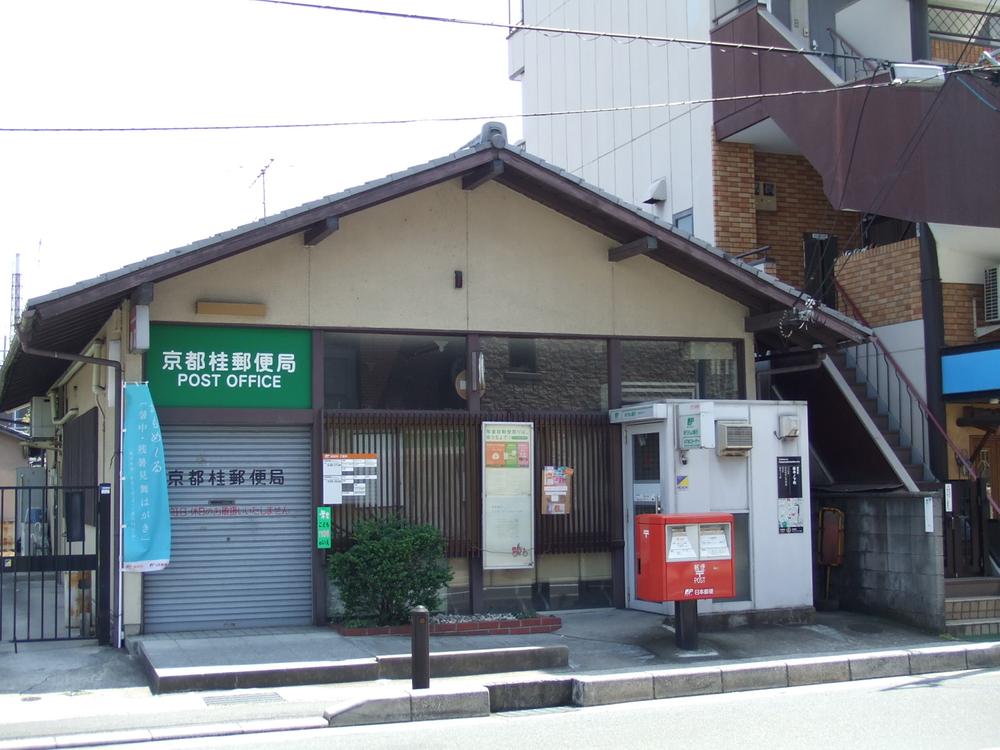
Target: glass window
{"type": "Point", "coordinates": [393, 371]}
{"type": "Point", "coordinates": [654, 370]}
{"type": "Point", "coordinates": [544, 374]}
{"type": "Point", "coordinates": [684, 221]}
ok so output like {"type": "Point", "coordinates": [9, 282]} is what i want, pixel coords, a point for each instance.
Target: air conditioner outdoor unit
{"type": "Point", "coordinates": [733, 438]}
{"type": "Point", "coordinates": [991, 295]}
{"type": "Point", "coordinates": [41, 419]}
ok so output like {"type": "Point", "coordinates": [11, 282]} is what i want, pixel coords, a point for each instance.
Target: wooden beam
{"type": "Point", "coordinates": [316, 233]}
{"type": "Point", "coordinates": [640, 246]}
{"type": "Point", "coordinates": [246, 309]}
{"type": "Point", "coordinates": [482, 175]}
{"type": "Point", "coordinates": [983, 419]}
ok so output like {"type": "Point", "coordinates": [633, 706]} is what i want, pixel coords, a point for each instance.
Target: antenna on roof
{"type": "Point", "coordinates": [15, 296]}
{"type": "Point", "coordinates": [262, 176]}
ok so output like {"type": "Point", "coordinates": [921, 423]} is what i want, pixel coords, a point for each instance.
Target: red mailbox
{"type": "Point", "coordinates": [684, 556]}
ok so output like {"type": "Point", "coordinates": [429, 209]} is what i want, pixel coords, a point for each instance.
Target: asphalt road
{"type": "Point", "coordinates": [955, 710]}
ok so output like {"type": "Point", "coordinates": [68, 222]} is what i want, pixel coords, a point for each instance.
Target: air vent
{"type": "Point", "coordinates": [733, 438]}
{"type": "Point", "coordinates": [991, 295]}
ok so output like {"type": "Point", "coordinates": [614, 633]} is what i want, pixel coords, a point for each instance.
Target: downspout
{"type": "Point", "coordinates": [933, 313]}
{"type": "Point", "coordinates": [920, 45]}
{"type": "Point", "coordinates": [24, 332]}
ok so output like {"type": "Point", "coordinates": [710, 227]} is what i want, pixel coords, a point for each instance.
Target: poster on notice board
{"type": "Point", "coordinates": [557, 490]}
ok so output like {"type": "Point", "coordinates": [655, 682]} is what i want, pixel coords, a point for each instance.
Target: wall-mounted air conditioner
{"type": "Point", "coordinates": [991, 295]}
{"type": "Point", "coordinates": [41, 419]}
{"type": "Point", "coordinates": [733, 438]}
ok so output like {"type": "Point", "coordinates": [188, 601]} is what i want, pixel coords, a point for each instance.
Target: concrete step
{"type": "Point", "coordinates": [972, 607]}
{"type": "Point", "coordinates": [967, 628]}
{"type": "Point", "coordinates": [976, 587]}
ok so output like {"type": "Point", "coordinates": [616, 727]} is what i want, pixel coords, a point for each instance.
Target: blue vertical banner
{"type": "Point", "coordinates": [145, 508]}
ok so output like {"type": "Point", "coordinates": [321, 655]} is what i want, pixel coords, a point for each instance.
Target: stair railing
{"type": "Point", "coordinates": [888, 370]}
{"type": "Point", "coordinates": [849, 63]}
{"type": "Point", "coordinates": [893, 392]}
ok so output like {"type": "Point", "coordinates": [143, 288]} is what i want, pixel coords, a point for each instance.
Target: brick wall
{"type": "Point", "coordinates": [948, 51]}
{"type": "Point", "coordinates": [802, 207]}
{"type": "Point", "coordinates": [735, 219]}
{"type": "Point", "coordinates": [884, 282]}
{"type": "Point", "coordinates": [956, 300]}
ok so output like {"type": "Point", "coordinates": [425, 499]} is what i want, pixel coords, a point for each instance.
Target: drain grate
{"type": "Point", "coordinates": [536, 711]}
{"type": "Point", "coordinates": [240, 698]}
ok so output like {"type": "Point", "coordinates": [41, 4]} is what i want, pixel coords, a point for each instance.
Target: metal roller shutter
{"type": "Point", "coordinates": [241, 509]}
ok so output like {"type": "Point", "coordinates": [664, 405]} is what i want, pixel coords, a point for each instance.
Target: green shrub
{"type": "Point", "coordinates": [393, 566]}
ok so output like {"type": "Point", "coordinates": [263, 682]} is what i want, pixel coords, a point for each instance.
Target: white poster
{"type": "Point", "coordinates": [348, 475]}
{"type": "Point", "coordinates": [508, 495]}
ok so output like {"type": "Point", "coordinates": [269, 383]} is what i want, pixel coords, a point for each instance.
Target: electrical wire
{"type": "Point", "coordinates": [424, 120]}
{"type": "Point", "coordinates": [575, 32]}
{"type": "Point", "coordinates": [918, 134]}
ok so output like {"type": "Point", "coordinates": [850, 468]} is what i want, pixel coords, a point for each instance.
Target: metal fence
{"type": "Point", "coordinates": [964, 25]}
{"type": "Point", "coordinates": [429, 471]}
{"type": "Point", "coordinates": [50, 587]}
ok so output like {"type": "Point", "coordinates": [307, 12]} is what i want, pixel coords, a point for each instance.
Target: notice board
{"type": "Point", "coordinates": [508, 495]}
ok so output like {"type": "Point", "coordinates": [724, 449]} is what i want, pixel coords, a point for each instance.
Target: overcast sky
{"type": "Point", "coordinates": [76, 205]}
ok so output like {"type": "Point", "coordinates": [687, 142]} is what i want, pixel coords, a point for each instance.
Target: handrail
{"type": "Point", "coordinates": [740, 6]}
{"type": "Point", "coordinates": [845, 52]}
{"type": "Point", "coordinates": [959, 456]}
{"type": "Point", "coordinates": [837, 37]}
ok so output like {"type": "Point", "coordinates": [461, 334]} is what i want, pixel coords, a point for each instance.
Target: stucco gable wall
{"type": "Point", "coordinates": [526, 268]}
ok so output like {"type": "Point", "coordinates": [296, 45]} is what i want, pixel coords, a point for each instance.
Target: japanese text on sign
{"type": "Point", "coordinates": [218, 511]}
{"type": "Point", "coordinates": [226, 477]}
{"type": "Point", "coordinates": [234, 369]}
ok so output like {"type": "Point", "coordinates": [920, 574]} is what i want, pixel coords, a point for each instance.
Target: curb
{"type": "Point", "coordinates": [396, 666]}
{"type": "Point", "coordinates": [540, 691]}
{"type": "Point", "coordinates": [426, 704]}
{"type": "Point", "coordinates": [675, 683]}
{"type": "Point", "coordinates": [193, 731]}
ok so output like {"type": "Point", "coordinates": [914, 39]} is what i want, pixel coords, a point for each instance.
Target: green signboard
{"type": "Point", "coordinates": [324, 527]}
{"type": "Point", "coordinates": [215, 366]}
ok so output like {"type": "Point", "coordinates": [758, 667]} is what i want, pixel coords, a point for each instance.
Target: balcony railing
{"type": "Point", "coordinates": [976, 26]}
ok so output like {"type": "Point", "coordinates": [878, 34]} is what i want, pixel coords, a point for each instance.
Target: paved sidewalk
{"type": "Point", "coordinates": [54, 691]}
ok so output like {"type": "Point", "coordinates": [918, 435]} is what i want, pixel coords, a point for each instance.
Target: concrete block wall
{"type": "Point", "coordinates": [892, 565]}
{"type": "Point", "coordinates": [884, 282]}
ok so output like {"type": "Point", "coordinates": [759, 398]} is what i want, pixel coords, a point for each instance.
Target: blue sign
{"type": "Point", "coordinates": [968, 372]}
{"type": "Point", "coordinates": [145, 509]}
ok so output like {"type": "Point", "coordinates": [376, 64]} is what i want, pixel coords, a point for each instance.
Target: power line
{"type": "Point", "coordinates": [911, 146]}
{"type": "Point", "coordinates": [429, 120]}
{"type": "Point", "coordinates": [619, 36]}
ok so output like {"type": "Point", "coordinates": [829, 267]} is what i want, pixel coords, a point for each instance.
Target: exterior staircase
{"type": "Point", "coordinates": [880, 420]}
{"type": "Point", "coordinates": [972, 607]}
